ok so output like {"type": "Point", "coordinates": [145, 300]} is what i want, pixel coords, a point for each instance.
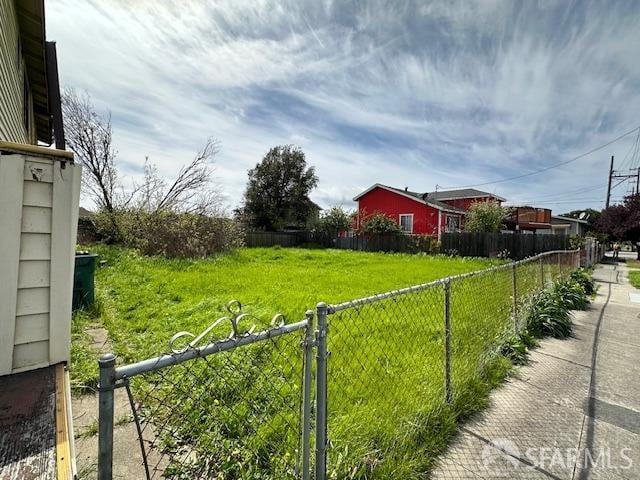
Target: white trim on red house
{"type": "Point", "coordinates": [384, 187]}
{"type": "Point", "coordinates": [410, 197]}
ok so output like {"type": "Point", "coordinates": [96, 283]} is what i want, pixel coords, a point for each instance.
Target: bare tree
{"type": "Point", "coordinates": [191, 191]}
{"type": "Point", "coordinates": [192, 183]}
{"type": "Point", "coordinates": [90, 138]}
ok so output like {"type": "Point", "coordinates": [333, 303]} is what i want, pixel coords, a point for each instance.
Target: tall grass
{"type": "Point", "coordinates": [388, 418]}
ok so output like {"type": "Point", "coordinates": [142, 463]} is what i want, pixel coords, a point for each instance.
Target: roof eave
{"type": "Point", "coordinates": [32, 36]}
{"type": "Point", "coordinates": [489, 195]}
{"type": "Point", "coordinates": [410, 197]}
{"type": "Point", "coordinates": [569, 219]}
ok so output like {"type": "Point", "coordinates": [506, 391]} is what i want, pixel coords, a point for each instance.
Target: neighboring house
{"type": "Point", "coordinates": [566, 226]}
{"type": "Point", "coordinates": [429, 213]}
{"type": "Point", "coordinates": [465, 197]}
{"type": "Point", "coordinates": [39, 193]}
{"type": "Point", "coordinates": [528, 219]}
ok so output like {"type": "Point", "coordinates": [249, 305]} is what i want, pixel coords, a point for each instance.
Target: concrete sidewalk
{"type": "Point", "coordinates": [573, 412]}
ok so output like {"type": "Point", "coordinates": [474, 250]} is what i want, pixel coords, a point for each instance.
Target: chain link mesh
{"type": "Point", "coordinates": [237, 414]}
{"type": "Point", "coordinates": [232, 415]}
{"type": "Point", "coordinates": [385, 371]}
{"type": "Point", "coordinates": [481, 315]}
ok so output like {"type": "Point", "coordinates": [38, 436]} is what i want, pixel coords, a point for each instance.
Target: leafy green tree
{"type": "Point", "coordinates": [588, 214]}
{"type": "Point", "coordinates": [484, 217]}
{"type": "Point", "coordinates": [622, 222]}
{"type": "Point", "coordinates": [380, 223]}
{"type": "Point", "coordinates": [278, 190]}
{"type": "Point", "coordinates": [336, 220]}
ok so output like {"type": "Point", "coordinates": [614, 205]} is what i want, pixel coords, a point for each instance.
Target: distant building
{"type": "Point", "coordinates": [528, 219]}
{"type": "Point", "coordinates": [567, 226]}
{"type": "Point", "coordinates": [429, 213]}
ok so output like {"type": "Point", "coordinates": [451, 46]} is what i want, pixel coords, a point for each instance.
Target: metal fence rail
{"type": "Point", "coordinates": [340, 394]}
{"type": "Point", "coordinates": [235, 408]}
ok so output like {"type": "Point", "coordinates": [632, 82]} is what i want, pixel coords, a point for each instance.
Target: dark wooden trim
{"type": "Point", "coordinates": [55, 105]}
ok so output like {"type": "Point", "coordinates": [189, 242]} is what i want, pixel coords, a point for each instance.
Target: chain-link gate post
{"type": "Point", "coordinates": [514, 285]}
{"type": "Point", "coordinates": [447, 341]}
{"type": "Point", "coordinates": [309, 345]}
{"type": "Point", "coordinates": [107, 364]}
{"type": "Point", "coordinates": [322, 311]}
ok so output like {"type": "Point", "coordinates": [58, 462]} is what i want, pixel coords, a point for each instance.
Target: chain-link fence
{"type": "Point", "coordinates": [224, 410]}
{"type": "Point", "coordinates": [388, 369]}
{"type": "Point", "coordinates": [398, 359]}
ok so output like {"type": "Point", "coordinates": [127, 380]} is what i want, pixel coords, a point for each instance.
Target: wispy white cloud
{"type": "Point", "coordinates": [449, 92]}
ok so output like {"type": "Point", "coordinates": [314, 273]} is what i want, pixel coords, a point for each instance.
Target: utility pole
{"type": "Point", "coordinates": [609, 186]}
{"type": "Point", "coordinates": [622, 175]}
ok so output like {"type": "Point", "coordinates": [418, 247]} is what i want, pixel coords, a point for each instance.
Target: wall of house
{"type": "Point", "coordinates": [12, 74]}
{"type": "Point", "coordinates": [425, 218]}
{"type": "Point", "coordinates": [38, 214]}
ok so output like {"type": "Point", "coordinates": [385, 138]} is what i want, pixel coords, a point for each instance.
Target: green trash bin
{"type": "Point", "coordinates": [83, 280]}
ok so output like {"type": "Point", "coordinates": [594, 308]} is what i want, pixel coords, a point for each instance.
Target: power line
{"type": "Point", "coordinates": [590, 188]}
{"type": "Point", "coordinates": [546, 169]}
{"type": "Point", "coordinates": [559, 202]}
{"type": "Point", "coordinates": [559, 198]}
{"type": "Point", "coordinates": [631, 154]}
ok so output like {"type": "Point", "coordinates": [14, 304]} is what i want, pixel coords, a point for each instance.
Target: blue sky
{"type": "Point", "coordinates": [410, 94]}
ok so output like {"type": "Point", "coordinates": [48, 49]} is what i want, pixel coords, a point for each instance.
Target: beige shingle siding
{"type": "Point", "coordinates": [12, 79]}
{"type": "Point", "coordinates": [36, 258]}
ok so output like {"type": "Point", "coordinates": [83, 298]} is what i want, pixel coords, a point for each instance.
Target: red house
{"type": "Point", "coordinates": [429, 213]}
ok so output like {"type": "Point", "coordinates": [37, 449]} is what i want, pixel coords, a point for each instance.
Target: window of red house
{"type": "Point", "coordinates": [406, 222]}
{"type": "Point", "coordinates": [453, 223]}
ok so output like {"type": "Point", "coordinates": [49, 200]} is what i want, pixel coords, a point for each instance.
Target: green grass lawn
{"type": "Point", "coordinates": [387, 415]}
{"type": "Point", "coordinates": [634, 278]}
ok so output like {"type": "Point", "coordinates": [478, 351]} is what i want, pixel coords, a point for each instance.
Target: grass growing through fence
{"type": "Point", "coordinates": [396, 433]}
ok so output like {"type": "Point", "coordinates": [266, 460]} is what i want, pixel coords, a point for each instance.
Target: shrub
{"type": "Point", "coordinates": [484, 217]}
{"type": "Point", "coordinates": [425, 244]}
{"type": "Point", "coordinates": [335, 221]}
{"type": "Point", "coordinates": [584, 278]}
{"type": "Point", "coordinates": [516, 347]}
{"type": "Point", "coordinates": [571, 295]}
{"type": "Point", "coordinates": [170, 234]}
{"type": "Point", "coordinates": [547, 316]}
{"type": "Point", "coordinates": [380, 223]}
{"type": "Point", "coordinates": [577, 241]}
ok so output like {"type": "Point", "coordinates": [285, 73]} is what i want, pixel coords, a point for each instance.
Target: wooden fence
{"type": "Point", "coordinates": [367, 242]}
{"type": "Point", "coordinates": [509, 245]}
{"type": "Point", "coordinates": [271, 239]}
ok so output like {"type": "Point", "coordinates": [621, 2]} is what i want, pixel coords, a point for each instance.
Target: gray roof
{"type": "Point", "coordinates": [425, 197]}
{"type": "Point", "coordinates": [461, 193]}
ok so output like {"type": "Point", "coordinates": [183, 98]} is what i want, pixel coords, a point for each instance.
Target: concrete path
{"type": "Point", "coordinates": [127, 457]}
{"type": "Point", "coordinates": [573, 412]}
